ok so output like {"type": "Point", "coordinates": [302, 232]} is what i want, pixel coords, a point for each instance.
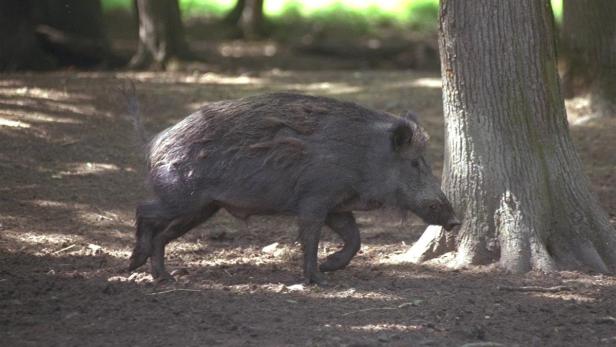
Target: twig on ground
{"type": "Point", "coordinates": [380, 308]}
{"type": "Point", "coordinates": [64, 249]}
{"type": "Point", "coordinates": [175, 290]}
{"type": "Point", "coordinates": [69, 143]}
{"type": "Point", "coordinates": [103, 214]}
{"type": "Point", "coordinates": [370, 309]}
{"type": "Point", "coordinates": [536, 289]}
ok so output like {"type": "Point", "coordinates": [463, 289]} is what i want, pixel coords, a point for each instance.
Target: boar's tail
{"type": "Point", "coordinates": [129, 91]}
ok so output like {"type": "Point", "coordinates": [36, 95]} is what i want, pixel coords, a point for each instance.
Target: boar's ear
{"type": "Point", "coordinates": [401, 136]}
{"type": "Point", "coordinates": [412, 116]}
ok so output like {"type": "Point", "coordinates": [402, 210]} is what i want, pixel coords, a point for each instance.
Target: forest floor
{"type": "Point", "coordinates": [71, 174]}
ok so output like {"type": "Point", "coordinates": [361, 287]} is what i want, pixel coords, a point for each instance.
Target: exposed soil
{"type": "Point", "coordinates": [71, 173]}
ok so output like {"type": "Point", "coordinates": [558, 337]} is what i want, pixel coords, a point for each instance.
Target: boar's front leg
{"type": "Point", "coordinates": [344, 225]}
{"type": "Point", "coordinates": [310, 233]}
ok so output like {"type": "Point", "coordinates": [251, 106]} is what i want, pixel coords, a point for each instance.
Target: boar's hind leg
{"type": "Point", "coordinates": [178, 227]}
{"type": "Point", "coordinates": [309, 233]}
{"type": "Point", "coordinates": [344, 225]}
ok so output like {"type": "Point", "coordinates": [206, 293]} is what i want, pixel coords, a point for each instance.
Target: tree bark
{"type": "Point", "coordinates": [73, 31]}
{"type": "Point", "coordinates": [511, 170]}
{"type": "Point", "coordinates": [45, 34]}
{"type": "Point", "coordinates": [161, 34]}
{"type": "Point", "coordinates": [251, 21]}
{"type": "Point", "coordinates": [589, 47]}
{"type": "Point", "coordinates": [233, 17]}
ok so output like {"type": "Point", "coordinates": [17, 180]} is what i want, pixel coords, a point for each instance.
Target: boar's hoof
{"type": "Point", "coordinates": [334, 262]}
{"type": "Point", "coordinates": [137, 259]}
{"type": "Point", "coordinates": [179, 272]}
{"type": "Point", "coordinates": [163, 278]}
{"type": "Point", "coordinates": [316, 278]}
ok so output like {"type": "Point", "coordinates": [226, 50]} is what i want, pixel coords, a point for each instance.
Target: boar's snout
{"type": "Point", "coordinates": [438, 212]}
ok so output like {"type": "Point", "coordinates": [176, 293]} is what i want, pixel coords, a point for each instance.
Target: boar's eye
{"type": "Point", "coordinates": [415, 163]}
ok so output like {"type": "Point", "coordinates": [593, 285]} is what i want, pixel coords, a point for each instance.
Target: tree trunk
{"type": "Point", "coordinates": [19, 47]}
{"type": "Point", "coordinates": [589, 43]}
{"type": "Point", "coordinates": [251, 21]}
{"type": "Point", "coordinates": [233, 17]}
{"type": "Point", "coordinates": [73, 31]}
{"type": "Point", "coordinates": [44, 34]}
{"type": "Point", "coordinates": [511, 170]}
{"type": "Point", "coordinates": [161, 34]}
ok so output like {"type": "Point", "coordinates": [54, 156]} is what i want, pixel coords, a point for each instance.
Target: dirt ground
{"type": "Point", "coordinates": [71, 173]}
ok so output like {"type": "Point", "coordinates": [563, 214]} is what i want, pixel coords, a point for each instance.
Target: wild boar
{"type": "Point", "coordinates": [315, 158]}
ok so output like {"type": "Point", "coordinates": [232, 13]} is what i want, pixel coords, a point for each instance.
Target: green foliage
{"type": "Point", "coordinates": [423, 14]}
{"type": "Point", "coordinates": [188, 7]}
{"type": "Point", "coordinates": [361, 14]}
{"type": "Point", "coordinates": [116, 4]}
{"type": "Point", "coordinates": [206, 7]}
{"type": "Point", "coordinates": [420, 14]}
{"type": "Point", "coordinates": [557, 8]}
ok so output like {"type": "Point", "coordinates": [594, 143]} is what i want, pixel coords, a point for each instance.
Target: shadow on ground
{"type": "Point", "coordinates": [69, 300]}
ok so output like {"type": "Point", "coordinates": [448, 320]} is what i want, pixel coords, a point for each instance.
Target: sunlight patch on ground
{"type": "Point", "coordinates": [566, 297]}
{"type": "Point", "coordinates": [100, 218]}
{"type": "Point", "coordinates": [42, 117]}
{"type": "Point", "coordinates": [209, 78]}
{"type": "Point", "coordinates": [88, 168]}
{"type": "Point", "coordinates": [579, 110]}
{"type": "Point", "coordinates": [55, 107]}
{"type": "Point", "coordinates": [38, 93]}
{"type": "Point", "coordinates": [49, 203]}
{"type": "Point", "coordinates": [82, 109]}
{"type": "Point", "coordinates": [222, 79]}
{"type": "Point", "coordinates": [304, 290]}
{"type": "Point", "coordinates": [382, 327]}
{"type": "Point", "coordinates": [194, 106]}
{"type": "Point", "coordinates": [34, 116]}
{"type": "Point", "coordinates": [235, 256]}
{"type": "Point", "coordinates": [60, 245]}
{"type": "Point", "coordinates": [10, 83]}
{"type": "Point", "coordinates": [597, 280]}
{"type": "Point", "coordinates": [428, 83]}
{"type": "Point", "coordinates": [86, 213]}
{"type": "Point", "coordinates": [238, 49]}
{"type": "Point", "coordinates": [422, 82]}
{"type": "Point", "coordinates": [50, 242]}
{"type": "Point", "coordinates": [12, 123]}
{"type": "Point", "coordinates": [332, 88]}
{"type": "Point", "coordinates": [400, 257]}
{"type": "Point", "coordinates": [352, 293]}
{"type": "Point", "coordinates": [144, 76]}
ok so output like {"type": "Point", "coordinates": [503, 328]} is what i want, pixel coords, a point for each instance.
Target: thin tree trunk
{"type": "Point", "coordinates": [589, 42]}
{"type": "Point", "coordinates": [233, 17]}
{"type": "Point", "coordinates": [161, 34]}
{"type": "Point", "coordinates": [73, 31]}
{"type": "Point", "coordinates": [251, 21]}
{"type": "Point", "coordinates": [511, 170]}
